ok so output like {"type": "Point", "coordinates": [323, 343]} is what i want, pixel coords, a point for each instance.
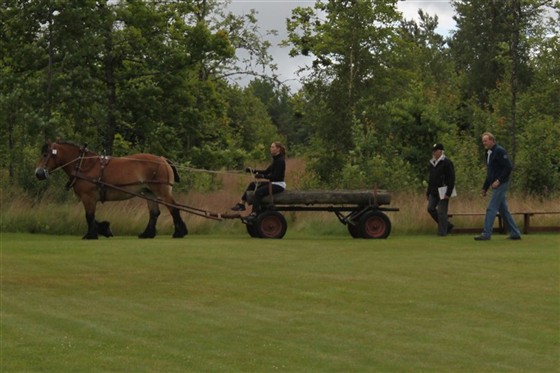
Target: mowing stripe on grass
{"type": "Point", "coordinates": [231, 303]}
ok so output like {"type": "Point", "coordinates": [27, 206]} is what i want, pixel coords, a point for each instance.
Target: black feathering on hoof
{"type": "Point", "coordinates": [147, 234]}
{"type": "Point", "coordinates": [180, 230]}
{"type": "Point", "coordinates": [103, 228]}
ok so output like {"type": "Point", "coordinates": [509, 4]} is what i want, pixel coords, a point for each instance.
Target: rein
{"type": "Point", "coordinates": [179, 206]}
{"type": "Point", "coordinates": [192, 169]}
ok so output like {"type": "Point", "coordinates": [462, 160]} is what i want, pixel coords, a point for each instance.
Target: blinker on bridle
{"type": "Point", "coordinates": [48, 156]}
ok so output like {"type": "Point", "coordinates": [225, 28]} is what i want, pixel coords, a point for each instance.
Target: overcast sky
{"type": "Point", "coordinates": [272, 14]}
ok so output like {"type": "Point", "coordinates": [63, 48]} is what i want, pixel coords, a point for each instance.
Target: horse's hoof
{"type": "Point", "coordinates": [90, 237]}
{"type": "Point", "coordinates": [104, 229]}
{"type": "Point", "coordinates": [143, 235]}
{"type": "Point", "coordinates": [180, 231]}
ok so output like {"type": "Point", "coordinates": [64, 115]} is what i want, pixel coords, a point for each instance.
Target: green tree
{"type": "Point", "coordinates": [424, 111]}
{"type": "Point", "coordinates": [538, 166]}
{"type": "Point", "coordinates": [152, 76]}
{"type": "Point", "coordinates": [280, 107]}
{"type": "Point", "coordinates": [492, 49]}
{"type": "Point", "coordinates": [349, 42]}
{"type": "Point", "coordinates": [33, 85]}
{"type": "Point", "coordinates": [391, 84]}
{"type": "Point", "coordinates": [16, 31]}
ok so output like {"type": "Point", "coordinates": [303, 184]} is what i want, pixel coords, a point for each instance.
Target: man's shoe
{"type": "Point", "coordinates": [238, 207]}
{"type": "Point", "coordinates": [482, 238]}
{"type": "Point", "coordinates": [450, 228]}
{"type": "Point", "coordinates": [513, 238]}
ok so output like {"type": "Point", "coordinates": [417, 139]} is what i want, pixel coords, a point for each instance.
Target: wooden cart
{"type": "Point", "coordinates": [362, 211]}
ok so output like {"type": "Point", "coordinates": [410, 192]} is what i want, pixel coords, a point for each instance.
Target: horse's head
{"type": "Point", "coordinates": [48, 160]}
{"type": "Point", "coordinates": [55, 155]}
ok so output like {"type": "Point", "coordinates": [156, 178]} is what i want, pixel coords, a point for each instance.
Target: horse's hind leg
{"type": "Point", "coordinates": [180, 226]}
{"type": "Point", "coordinates": [150, 231]}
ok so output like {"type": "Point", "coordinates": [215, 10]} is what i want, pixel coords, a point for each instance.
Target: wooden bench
{"type": "Point", "coordinates": [527, 227]}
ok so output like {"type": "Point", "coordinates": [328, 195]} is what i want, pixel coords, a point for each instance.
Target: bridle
{"type": "Point", "coordinates": [52, 152]}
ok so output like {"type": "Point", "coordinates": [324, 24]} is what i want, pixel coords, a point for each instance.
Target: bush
{"type": "Point", "coordinates": [394, 174]}
{"type": "Point", "coordinates": [538, 161]}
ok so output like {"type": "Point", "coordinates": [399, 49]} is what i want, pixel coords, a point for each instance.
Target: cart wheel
{"type": "Point", "coordinates": [375, 224]}
{"type": "Point", "coordinates": [252, 230]}
{"type": "Point", "coordinates": [271, 224]}
{"type": "Point", "coordinates": [354, 230]}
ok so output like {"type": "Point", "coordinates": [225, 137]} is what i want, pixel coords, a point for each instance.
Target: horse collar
{"type": "Point", "coordinates": [72, 181]}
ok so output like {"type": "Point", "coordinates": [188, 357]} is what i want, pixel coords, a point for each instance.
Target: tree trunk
{"type": "Point", "coordinates": [514, 75]}
{"type": "Point", "coordinates": [109, 133]}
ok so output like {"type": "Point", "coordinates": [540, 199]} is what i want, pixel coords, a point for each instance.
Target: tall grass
{"type": "Point", "coordinates": [21, 213]}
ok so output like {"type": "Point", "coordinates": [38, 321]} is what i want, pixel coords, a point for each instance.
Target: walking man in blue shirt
{"type": "Point", "coordinates": [498, 170]}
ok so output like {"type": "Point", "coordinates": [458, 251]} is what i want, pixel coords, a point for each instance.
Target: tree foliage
{"type": "Point", "coordinates": [161, 76]}
{"type": "Point", "coordinates": [127, 76]}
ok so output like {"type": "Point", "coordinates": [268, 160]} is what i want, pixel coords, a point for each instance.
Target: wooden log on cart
{"type": "Point", "coordinates": [330, 197]}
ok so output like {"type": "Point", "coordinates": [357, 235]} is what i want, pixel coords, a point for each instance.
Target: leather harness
{"type": "Point", "coordinates": [101, 184]}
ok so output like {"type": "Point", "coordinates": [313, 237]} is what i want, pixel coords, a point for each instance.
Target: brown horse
{"type": "Point", "coordinates": [99, 178]}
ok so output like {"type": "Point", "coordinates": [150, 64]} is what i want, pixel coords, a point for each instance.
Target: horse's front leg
{"type": "Point", "coordinates": [150, 231]}
{"type": "Point", "coordinates": [104, 228]}
{"type": "Point", "coordinates": [89, 205]}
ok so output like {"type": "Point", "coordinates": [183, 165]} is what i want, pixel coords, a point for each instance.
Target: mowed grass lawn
{"type": "Point", "coordinates": [301, 304]}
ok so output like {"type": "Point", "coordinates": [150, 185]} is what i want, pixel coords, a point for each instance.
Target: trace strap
{"type": "Point", "coordinates": [179, 206]}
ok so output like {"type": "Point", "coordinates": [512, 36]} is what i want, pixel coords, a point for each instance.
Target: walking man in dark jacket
{"type": "Point", "coordinates": [442, 173]}
{"type": "Point", "coordinates": [498, 170]}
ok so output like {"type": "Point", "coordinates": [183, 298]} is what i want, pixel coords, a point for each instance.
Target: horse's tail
{"type": "Point", "coordinates": [176, 176]}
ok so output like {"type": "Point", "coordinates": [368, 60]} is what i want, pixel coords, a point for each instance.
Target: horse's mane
{"type": "Point", "coordinates": [76, 145]}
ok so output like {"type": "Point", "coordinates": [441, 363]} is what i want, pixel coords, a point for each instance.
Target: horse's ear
{"type": "Point", "coordinates": [45, 148]}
